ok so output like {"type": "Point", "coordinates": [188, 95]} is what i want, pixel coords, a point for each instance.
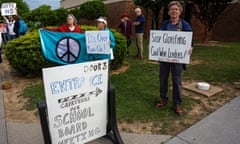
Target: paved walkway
{"type": "Point", "coordinates": [220, 127]}
{"type": "Point", "coordinates": [25, 133]}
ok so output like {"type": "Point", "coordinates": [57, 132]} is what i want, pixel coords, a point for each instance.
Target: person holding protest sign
{"type": "Point", "coordinates": [139, 30]}
{"type": "Point", "coordinates": [102, 25]}
{"type": "Point", "coordinates": [71, 26]}
{"type": "Point", "coordinates": [10, 27]}
{"type": "Point", "coordinates": [126, 29]}
{"type": "Point", "coordinates": [175, 23]}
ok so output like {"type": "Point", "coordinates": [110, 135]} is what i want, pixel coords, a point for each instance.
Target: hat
{"type": "Point", "coordinates": [101, 20]}
{"type": "Point", "coordinates": [125, 15]}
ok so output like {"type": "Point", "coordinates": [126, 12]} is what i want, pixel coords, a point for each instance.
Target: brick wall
{"type": "Point", "coordinates": [115, 10]}
{"type": "Point", "coordinates": [226, 29]}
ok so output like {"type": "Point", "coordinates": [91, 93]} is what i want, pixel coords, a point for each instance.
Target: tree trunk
{"type": "Point", "coordinates": [207, 34]}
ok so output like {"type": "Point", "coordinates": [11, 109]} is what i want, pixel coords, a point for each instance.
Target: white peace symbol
{"type": "Point", "coordinates": [68, 49]}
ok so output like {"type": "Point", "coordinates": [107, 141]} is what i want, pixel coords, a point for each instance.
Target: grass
{"type": "Point", "coordinates": [137, 90]}
{"type": "Point", "coordinates": [218, 63]}
{"type": "Point", "coordinates": [34, 94]}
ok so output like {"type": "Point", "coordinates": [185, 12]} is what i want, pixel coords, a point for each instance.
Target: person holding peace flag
{"type": "Point", "coordinates": [71, 26]}
{"type": "Point", "coordinates": [173, 24]}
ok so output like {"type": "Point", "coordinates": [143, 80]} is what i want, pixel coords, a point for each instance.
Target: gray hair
{"type": "Point", "coordinates": [75, 21]}
{"type": "Point", "coordinates": [175, 3]}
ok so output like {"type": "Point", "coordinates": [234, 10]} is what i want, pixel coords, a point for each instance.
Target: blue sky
{"type": "Point", "coordinates": [36, 3]}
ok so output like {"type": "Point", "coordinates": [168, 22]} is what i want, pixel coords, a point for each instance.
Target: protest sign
{"type": "Point", "coordinates": [170, 46]}
{"type": "Point", "coordinates": [97, 42]}
{"type": "Point", "coordinates": [3, 28]}
{"type": "Point", "coordinates": [76, 97]}
{"type": "Point", "coordinates": [8, 9]}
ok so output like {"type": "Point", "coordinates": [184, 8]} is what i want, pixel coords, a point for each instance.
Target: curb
{"type": "Point", "coordinates": [3, 129]}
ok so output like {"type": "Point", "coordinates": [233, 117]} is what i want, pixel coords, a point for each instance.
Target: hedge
{"type": "Point", "coordinates": [24, 53]}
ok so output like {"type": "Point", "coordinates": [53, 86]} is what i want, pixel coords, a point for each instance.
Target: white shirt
{"type": "Point", "coordinates": [71, 28]}
{"type": "Point", "coordinates": [10, 26]}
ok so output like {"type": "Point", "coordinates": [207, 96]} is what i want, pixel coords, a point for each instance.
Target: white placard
{"type": "Point", "coordinates": [170, 46]}
{"type": "Point", "coordinates": [76, 97]}
{"type": "Point", "coordinates": [98, 42]}
{"type": "Point", "coordinates": [9, 9]}
{"type": "Point", "coordinates": [3, 27]}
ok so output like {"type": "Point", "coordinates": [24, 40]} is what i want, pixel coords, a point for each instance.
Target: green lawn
{"type": "Point", "coordinates": [137, 89]}
{"type": "Point", "coordinates": [217, 64]}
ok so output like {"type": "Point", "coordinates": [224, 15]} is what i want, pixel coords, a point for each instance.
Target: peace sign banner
{"type": "Point", "coordinates": [66, 47]}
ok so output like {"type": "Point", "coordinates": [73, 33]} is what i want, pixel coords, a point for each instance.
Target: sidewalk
{"type": "Point", "coordinates": [23, 133]}
{"type": "Point", "coordinates": [3, 132]}
{"type": "Point", "coordinates": [19, 133]}
{"type": "Point", "coordinates": [220, 127]}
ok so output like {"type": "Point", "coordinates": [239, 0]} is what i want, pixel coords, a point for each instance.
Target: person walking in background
{"type": "Point", "coordinates": [70, 26]}
{"type": "Point", "coordinates": [139, 31]}
{"type": "Point", "coordinates": [173, 24]}
{"type": "Point", "coordinates": [10, 27]}
{"type": "Point", "coordinates": [126, 29]}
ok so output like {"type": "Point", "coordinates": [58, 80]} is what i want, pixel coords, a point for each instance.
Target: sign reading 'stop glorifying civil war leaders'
{"type": "Point", "coordinates": [170, 46]}
{"type": "Point", "coordinates": [76, 97]}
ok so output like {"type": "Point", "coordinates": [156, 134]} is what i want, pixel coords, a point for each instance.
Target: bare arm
{"type": "Point", "coordinates": [136, 23]}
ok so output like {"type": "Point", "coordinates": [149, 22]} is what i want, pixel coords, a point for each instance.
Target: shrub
{"type": "Point", "coordinates": [24, 53]}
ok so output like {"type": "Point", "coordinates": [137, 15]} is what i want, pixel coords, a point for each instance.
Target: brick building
{"type": "Point", "coordinates": [226, 29]}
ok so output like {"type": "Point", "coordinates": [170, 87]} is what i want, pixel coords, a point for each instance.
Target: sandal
{"type": "Point", "coordinates": [161, 103]}
{"type": "Point", "coordinates": [177, 109]}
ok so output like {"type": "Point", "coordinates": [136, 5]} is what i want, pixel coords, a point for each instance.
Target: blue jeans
{"type": "Point", "coordinates": [176, 70]}
{"type": "Point", "coordinates": [10, 37]}
{"type": "Point", "coordinates": [4, 37]}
